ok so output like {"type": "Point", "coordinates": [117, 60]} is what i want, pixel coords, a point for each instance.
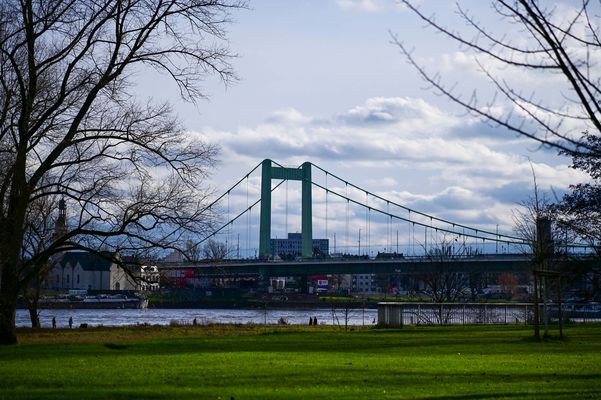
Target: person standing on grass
{"type": "Point", "coordinates": [70, 322]}
{"type": "Point", "coordinates": [54, 322]}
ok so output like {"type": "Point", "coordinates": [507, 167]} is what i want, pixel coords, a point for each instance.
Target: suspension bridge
{"type": "Point", "coordinates": [363, 232]}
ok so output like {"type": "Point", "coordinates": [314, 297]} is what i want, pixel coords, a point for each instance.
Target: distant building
{"type": "Point", "coordinates": [293, 246]}
{"type": "Point", "coordinates": [341, 283]}
{"type": "Point", "coordinates": [149, 278]}
{"type": "Point", "coordinates": [61, 226]}
{"type": "Point", "coordinates": [174, 257]}
{"type": "Point", "coordinates": [84, 270]}
{"type": "Point", "coordinates": [320, 283]}
{"type": "Point", "coordinates": [364, 283]}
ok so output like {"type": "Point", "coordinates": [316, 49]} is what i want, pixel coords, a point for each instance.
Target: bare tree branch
{"type": "Point", "coordinates": [71, 127]}
{"type": "Point", "coordinates": [550, 44]}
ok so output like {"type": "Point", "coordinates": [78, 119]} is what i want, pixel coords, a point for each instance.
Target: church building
{"type": "Point", "coordinates": [82, 269]}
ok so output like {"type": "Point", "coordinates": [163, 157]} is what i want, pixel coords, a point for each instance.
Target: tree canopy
{"type": "Point", "coordinates": [72, 126]}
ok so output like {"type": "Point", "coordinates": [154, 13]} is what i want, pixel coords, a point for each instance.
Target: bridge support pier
{"type": "Point", "coordinates": [263, 280]}
{"type": "Point", "coordinates": [303, 174]}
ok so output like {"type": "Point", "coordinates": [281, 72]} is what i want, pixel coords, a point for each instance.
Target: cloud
{"type": "Point", "coordinates": [408, 151]}
{"type": "Point", "coordinates": [360, 5]}
{"type": "Point", "coordinates": [386, 111]}
{"type": "Point", "coordinates": [371, 6]}
{"type": "Point", "coordinates": [512, 192]}
{"type": "Point", "coordinates": [288, 116]}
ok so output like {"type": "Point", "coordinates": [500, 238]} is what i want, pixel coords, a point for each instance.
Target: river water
{"type": "Point", "coordinates": [154, 316]}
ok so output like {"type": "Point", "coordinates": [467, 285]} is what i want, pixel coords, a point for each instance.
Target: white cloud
{"type": "Point", "coordinates": [406, 150]}
{"type": "Point", "coordinates": [373, 6]}
{"type": "Point", "coordinates": [360, 5]}
{"type": "Point", "coordinates": [288, 116]}
{"type": "Point", "coordinates": [410, 112]}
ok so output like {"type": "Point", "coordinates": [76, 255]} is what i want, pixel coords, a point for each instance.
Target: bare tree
{"type": "Point", "coordinates": [535, 208]}
{"type": "Point", "coordinates": [442, 283]}
{"type": "Point", "coordinates": [535, 37]}
{"type": "Point", "coordinates": [560, 44]}
{"type": "Point", "coordinates": [192, 251]}
{"type": "Point", "coordinates": [41, 227]}
{"type": "Point", "coordinates": [214, 250]}
{"type": "Point", "coordinates": [509, 285]}
{"type": "Point", "coordinates": [580, 210]}
{"type": "Point", "coordinates": [477, 281]}
{"type": "Point", "coordinates": [71, 126]}
{"type": "Point", "coordinates": [545, 238]}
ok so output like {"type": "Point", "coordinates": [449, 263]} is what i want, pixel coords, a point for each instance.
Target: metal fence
{"type": "Point", "coordinates": [399, 314]}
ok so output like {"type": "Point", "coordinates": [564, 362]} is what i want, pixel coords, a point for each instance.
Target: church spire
{"type": "Point", "coordinates": [61, 221]}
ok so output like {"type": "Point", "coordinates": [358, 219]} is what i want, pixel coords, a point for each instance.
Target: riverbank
{"type": "Point", "coordinates": [192, 299]}
{"type": "Point", "coordinates": [323, 362]}
{"type": "Point", "coordinates": [253, 304]}
{"type": "Point", "coordinates": [208, 299]}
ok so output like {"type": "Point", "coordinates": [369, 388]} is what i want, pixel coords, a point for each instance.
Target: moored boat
{"type": "Point", "coordinates": [93, 302]}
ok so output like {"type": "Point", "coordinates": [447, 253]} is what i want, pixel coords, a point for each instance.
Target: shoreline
{"type": "Point", "coordinates": [258, 305]}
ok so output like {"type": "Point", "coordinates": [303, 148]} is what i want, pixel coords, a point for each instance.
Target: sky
{"type": "Point", "coordinates": [321, 81]}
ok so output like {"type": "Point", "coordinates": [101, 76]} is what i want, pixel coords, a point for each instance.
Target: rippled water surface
{"type": "Point", "coordinates": [186, 316]}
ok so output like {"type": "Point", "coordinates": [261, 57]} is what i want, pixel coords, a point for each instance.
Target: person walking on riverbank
{"type": "Point", "coordinates": [54, 322]}
{"type": "Point", "coordinates": [70, 322]}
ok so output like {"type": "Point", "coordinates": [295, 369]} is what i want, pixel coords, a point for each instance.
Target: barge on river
{"type": "Point", "coordinates": [93, 302]}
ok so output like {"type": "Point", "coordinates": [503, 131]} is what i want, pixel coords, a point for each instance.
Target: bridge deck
{"type": "Point", "coordinates": [492, 263]}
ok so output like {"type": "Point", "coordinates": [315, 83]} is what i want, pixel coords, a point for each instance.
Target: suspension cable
{"type": "Point", "coordinates": [326, 205]}
{"type": "Point", "coordinates": [416, 211]}
{"type": "Point", "coordinates": [287, 207]}
{"type": "Point", "coordinates": [519, 241]}
{"type": "Point", "coordinates": [247, 222]}
{"type": "Point", "coordinates": [346, 242]}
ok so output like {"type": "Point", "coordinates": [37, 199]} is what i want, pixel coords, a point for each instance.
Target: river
{"type": "Point", "coordinates": [163, 316]}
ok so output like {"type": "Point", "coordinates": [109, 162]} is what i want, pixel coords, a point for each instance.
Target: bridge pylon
{"type": "Point", "coordinates": [303, 174]}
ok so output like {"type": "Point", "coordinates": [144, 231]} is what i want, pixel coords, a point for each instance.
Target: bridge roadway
{"type": "Point", "coordinates": [481, 263]}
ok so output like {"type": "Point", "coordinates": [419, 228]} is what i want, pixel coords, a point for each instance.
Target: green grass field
{"type": "Point", "coordinates": [241, 362]}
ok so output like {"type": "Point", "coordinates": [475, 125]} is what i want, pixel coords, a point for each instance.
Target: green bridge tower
{"type": "Point", "coordinates": [303, 174]}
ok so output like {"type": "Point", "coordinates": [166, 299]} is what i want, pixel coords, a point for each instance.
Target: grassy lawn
{"type": "Point", "coordinates": [241, 362]}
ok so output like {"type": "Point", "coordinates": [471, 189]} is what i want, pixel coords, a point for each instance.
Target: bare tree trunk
{"type": "Point", "coordinates": [8, 333]}
{"type": "Point", "coordinates": [32, 298]}
{"type": "Point", "coordinates": [31, 295]}
{"type": "Point", "coordinates": [347, 310]}
{"type": "Point", "coordinates": [9, 283]}
{"type": "Point", "coordinates": [34, 316]}
{"type": "Point", "coordinates": [545, 310]}
{"type": "Point", "coordinates": [8, 304]}
{"type": "Point", "coordinates": [536, 307]}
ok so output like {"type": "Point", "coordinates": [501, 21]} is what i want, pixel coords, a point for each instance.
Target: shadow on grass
{"type": "Point", "coordinates": [592, 394]}
{"type": "Point", "coordinates": [270, 383]}
{"type": "Point", "coordinates": [408, 342]}
{"type": "Point", "coordinates": [114, 346]}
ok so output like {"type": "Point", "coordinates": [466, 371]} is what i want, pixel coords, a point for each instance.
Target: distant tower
{"type": "Point", "coordinates": [61, 222]}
